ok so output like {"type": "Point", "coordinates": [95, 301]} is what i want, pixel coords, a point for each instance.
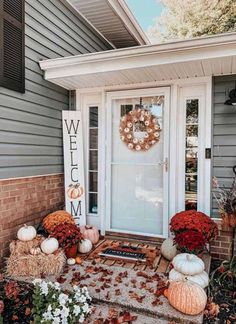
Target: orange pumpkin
{"type": "Point", "coordinates": [187, 297]}
{"type": "Point", "coordinates": [53, 219]}
{"type": "Point", "coordinates": [90, 232]}
{"type": "Point", "coordinates": [75, 191]}
{"type": "Point", "coordinates": [78, 260]}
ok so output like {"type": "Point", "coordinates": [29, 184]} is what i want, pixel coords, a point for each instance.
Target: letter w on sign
{"type": "Point", "coordinates": [73, 165]}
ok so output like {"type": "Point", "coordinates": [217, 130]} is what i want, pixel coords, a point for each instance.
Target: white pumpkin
{"type": "Point", "coordinates": [168, 249]}
{"type": "Point", "coordinates": [35, 250]}
{"type": "Point", "coordinates": [49, 245]}
{"type": "Point", "coordinates": [70, 261]}
{"type": "Point", "coordinates": [202, 279]}
{"type": "Point", "coordinates": [188, 264]}
{"type": "Point", "coordinates": [26, 233]}
{"type": "Point", "coordinates": [85, 246]}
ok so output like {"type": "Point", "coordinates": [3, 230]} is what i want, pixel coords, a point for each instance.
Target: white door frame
{"type": "Point", "coordinates": [110, 97]}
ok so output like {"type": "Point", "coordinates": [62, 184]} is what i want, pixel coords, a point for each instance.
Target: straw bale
{"type": "Point", "coordinates": [35, 265]}
{"type": "Point", "coordinates": [18, 247]}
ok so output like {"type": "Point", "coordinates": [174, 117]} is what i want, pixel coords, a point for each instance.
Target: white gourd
{"type": "Point", "coordinates": [85, 246]}
{"type": "Point", "coordinates": [70, 261]}
{"type": "Point", "coordinates": [188, 264]}
{"type": "Point", "coordinates": [49, 245]}
{"type": "Point", "coordinates": [26, 233]}
{"type": "Point", "coordinates": [202, 279]}
{"type": "Point", "coordinates": [168, 249]}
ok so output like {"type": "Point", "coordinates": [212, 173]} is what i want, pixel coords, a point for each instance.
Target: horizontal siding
{"type": "Point", "coordinates": [224, 134]}
{"type": "Point", "coordinates": [30, 123]}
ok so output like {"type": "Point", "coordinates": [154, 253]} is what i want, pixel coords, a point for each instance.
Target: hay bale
{"type": "Point", "coordinates": [35, 265]}
{"type": "Point", "coordinates": [18, 247]}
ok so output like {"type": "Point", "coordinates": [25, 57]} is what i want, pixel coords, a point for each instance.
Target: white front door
{"type": "Point", "coordinates": [137, 175]}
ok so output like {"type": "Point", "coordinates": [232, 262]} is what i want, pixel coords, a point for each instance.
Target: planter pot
{"type": "Point", "coordinates": [71, 251]}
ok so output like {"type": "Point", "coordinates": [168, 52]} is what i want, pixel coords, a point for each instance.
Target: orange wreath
{"type": "Point", "coordinates": [140, 120]}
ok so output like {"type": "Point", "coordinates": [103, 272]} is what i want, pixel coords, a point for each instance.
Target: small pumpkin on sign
{"type": "Point", "coordinates": [75, 191]}
{"type": "Point", "coordinates": [90, 232]}
{"type": "Point", "coordinates": [26, 233]}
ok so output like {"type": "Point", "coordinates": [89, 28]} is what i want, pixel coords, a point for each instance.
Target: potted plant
{"type": "Point", "coordinates": [68, 236]}
{"type": "Point", "coordinates": [196, 221]}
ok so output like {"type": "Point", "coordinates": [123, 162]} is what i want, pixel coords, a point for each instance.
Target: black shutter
{"type": "Point", "coordinates": [12, 63]}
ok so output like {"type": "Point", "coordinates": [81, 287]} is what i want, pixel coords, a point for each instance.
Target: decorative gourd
{"type": "Point", "coordinates": [75, 191]}
{"type": "Point", "coordinates": [168, 249]}
{"type": "Point", "coordinates": [188, 264]}
{"type": "Point", "coordinates": [202, 279]}
{"type": "Point", "coordinates": [49, 245]}
{"type": "Point", "coordinates": [35, 250]}
{"type": "Point", "coordinates": [26, 233]}
{"type": "Point", "coordinates": [70, 261]}
{"type": "Point", "coordinates": [85, 246]}
{"type": "Point", "coordinates": [78, 260]}
{"type": "Point", "coordinates": [58, 217]}
{"type": "Point", "coordinates": [90, 232]}
{"type": "Point", "coordinates": [187, 297]}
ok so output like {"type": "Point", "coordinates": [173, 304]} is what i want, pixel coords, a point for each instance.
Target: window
{"type": "Point", "coordinates": [93, 161]}
{"type": "Point", "coordinates": [191, 153]}
{"type": "Point", "coordinates": [12, 62]}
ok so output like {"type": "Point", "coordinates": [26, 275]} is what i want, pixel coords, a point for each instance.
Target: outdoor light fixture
{"type": "Point", "coordinates": [232, 97]}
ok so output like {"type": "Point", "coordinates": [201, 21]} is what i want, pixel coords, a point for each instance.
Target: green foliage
{"type": "Point", "coordinates": [194, 18]}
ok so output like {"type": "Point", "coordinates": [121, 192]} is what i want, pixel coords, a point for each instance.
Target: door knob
{"type": "Point", "coordinates": [165, 163]}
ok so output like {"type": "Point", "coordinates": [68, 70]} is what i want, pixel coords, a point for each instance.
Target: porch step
{"type": "Point", "coordinates": [134, 238]}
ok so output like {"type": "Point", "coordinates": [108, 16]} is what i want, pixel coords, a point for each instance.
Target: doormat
{"type": "Point", "coordinates": [124, 253]}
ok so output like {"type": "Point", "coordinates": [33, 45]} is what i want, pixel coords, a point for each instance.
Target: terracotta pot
{"type": "Point", "coordinates": [71, 251]}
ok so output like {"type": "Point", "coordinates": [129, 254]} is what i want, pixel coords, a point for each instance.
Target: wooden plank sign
{"type": "Point", "coordinates": [74, 165]}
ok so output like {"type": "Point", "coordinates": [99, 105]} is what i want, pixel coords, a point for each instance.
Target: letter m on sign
{"type": "Point", "coordinates": [73, 165]}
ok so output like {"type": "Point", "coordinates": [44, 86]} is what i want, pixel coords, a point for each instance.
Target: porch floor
{"type": "Point", "coordinates": [115, 285]}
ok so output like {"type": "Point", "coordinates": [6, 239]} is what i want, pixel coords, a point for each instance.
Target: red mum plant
{"type": "Point", "coordinates": [196, 221]}
{"type": "Point", "coordinates": [67, 235]}
{"type": "Point", "coordinates": [190, 241]}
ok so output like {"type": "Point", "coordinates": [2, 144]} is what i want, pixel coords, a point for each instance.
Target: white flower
{"type": "Point", "coordinates": [81, 319]}
{"type": "Point", "coordinates": [47, 316]}
{"type": "Point", "coordinates": [37, 281]}
{"type": "Point", "coordinates": [44, 288]}
{"type": "Point", "coordinates": [57, 286]}
{"type": "Point", "coordinates": [49, 308]}
{"type": "Point", "coordinates": [57, 312]}
{"type": "Point", "coordinates": [56, 320]}
{"type": "Point", "coordinates": [85, 308]}
{"type": "Point", "coordinates": [65, 312]}
{"type": "Point", "coordinates": [62, 299]}
{"type": "Point", "coordinates": [76, 310]}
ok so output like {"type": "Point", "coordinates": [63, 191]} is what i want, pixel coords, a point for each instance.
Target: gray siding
{"type": "Point", "coordinates": [224, 133]}
{"type": "Point", "coordinates": [30, 123]}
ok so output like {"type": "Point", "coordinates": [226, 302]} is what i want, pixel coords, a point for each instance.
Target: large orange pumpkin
{"type": "Point", "coordinates": [187, 297]}
{"type": "Point", "coordinates": [90, 232]}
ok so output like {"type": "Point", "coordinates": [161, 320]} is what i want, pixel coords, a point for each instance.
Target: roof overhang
{"type": "Point", "coordinates": [206, 56]}
{"type": "Point", "coordinates": [114, 20]}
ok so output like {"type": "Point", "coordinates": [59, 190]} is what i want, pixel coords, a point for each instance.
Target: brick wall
{"type": "Point", "coordinates": [221, 247]}
{"type": "Point", "coordinates": [27, 201]}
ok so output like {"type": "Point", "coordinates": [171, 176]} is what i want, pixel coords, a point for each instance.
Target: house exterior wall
{"type": "Point", "coordinates": [224, 153]}
{"type": "Point", "coordinates": [30, 123]}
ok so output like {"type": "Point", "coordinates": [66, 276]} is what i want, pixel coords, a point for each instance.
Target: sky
{"type": "Point", "coordinates": [145, 11]}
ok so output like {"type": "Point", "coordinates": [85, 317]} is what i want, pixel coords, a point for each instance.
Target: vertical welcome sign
{"type": "Point", "coordinates": [74, 165]}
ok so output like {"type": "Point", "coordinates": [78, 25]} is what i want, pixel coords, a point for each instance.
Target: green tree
{"type": "Point", "coordinates": [193, 18]}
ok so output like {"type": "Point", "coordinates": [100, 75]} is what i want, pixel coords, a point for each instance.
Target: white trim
{"type": "Point", "coordinates": [130, 22]}
{"type": "Point", "coordinates": [150, 55]}
{"type": "Point", "coordinates": [111, 96]}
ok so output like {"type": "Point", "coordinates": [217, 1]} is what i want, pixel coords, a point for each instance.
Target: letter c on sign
{"type": "Point", "coordinates": [71, 175]}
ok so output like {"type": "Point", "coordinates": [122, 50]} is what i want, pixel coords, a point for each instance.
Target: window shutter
{"type": "Point", "coordinates": [12, 63]}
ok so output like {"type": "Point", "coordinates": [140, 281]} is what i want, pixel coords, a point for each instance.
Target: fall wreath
{"type": "Point", "coordinates": [139, 129]}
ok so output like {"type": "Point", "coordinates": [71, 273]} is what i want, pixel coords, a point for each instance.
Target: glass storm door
{"type": "Point", "coordinates": [137, 162]}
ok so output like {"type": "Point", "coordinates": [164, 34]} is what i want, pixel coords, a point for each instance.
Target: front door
{"type": "Point", "coordinates": [137, 162]}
